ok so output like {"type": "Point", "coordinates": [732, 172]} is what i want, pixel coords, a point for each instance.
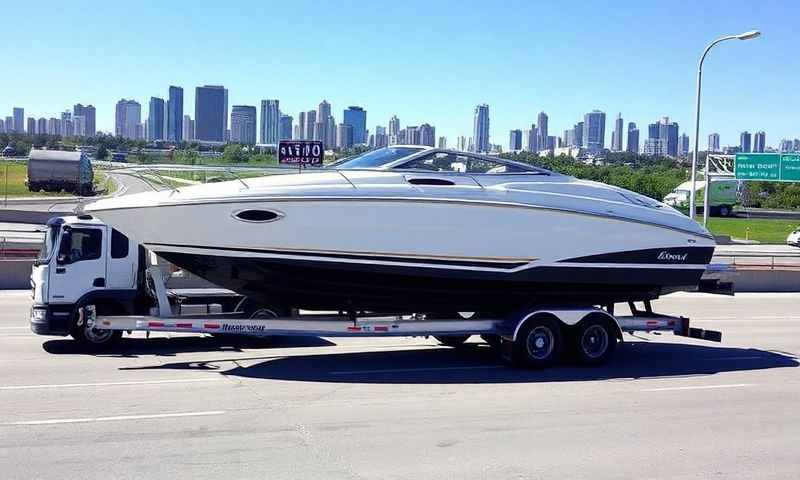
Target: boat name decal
{"type": "Point", "coordinates": [249, 328]}
{"type": "Point", "coordinates": [672, 257]}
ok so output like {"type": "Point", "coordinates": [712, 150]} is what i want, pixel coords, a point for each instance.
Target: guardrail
{"type": "Point", "coordinates": [760, 261]}
{"type": "Point", "coordinates": [17, 250]}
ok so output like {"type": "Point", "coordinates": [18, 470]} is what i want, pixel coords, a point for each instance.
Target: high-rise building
{"type": "Point", "coordinates": [311, 122]}
{"type": "Point", "coordinates": [633, 138]}
{"type": "Point", "coordinates": [2, 126]}
{"type": "Point", "coordinates": [285, 127]}
{"type": "Point", "coordinates": [427, 135]}
{"type": "Point", "coordinates": [155, 119]}
{"type": "Point", "coordinates": [53, 126]}
{"type": "Point", "coordinates": [412, 135]}
{"type": "Point", "coordinates": [394, 126]}
{"type": "Point", "coordinates": [301, 126]}
{"type": "Point", "coordinates": [175, 114]}
{"type": "Point", "coordinates": [344, 135]}
{"type": "Point", "coordinates": [41, 126]}
{"type": "Point", "coordinates": [357, 117]}
{"type": "Point", "coordinates": [210, 113]}
{"type": "Point", "coordinates": [616, 135]}
{"type": "Point", "coordinates": [568, 140]}
{"type": "Point", "coordinates": [713, 143]}
{"type": "Point", "coordinates": [594, 131]}
{"type": "Point", "coordinates": [127, 119]}
{"type": "Point", "coordinates": [243, 124]}
{"type": "Point", "coordinates": [480, 129]}
{"type": "Point", "coordinates": [381, 138]}
{"type": "Point", "coordinates": [683, 145]}
{"type": "Point", "coordinates": [785, 146]}
{"type": "Point", "coordinates": [759, 142]}
{"type": "Point", "coordinates": [324, 131]}
{"type": "Point", "coordinates": [31, 128]}
{"type": "Point", "coordinates": [667, 133]}
{"type": "Point", "coordinates": [530, 142]}
{"type": "Point", "coordinates": [515, 140]}
{"type": "Point", "coordinates": [79, 125]}
{"type": "Point", "coordinates": [744, 142]}
{"type": "Point", "coordinates": [187, 132]}
{"type": "Point", "coordinates": [330, 132]}
{"type": "Point", "coordinates": [270, 122]}
{"type": "Point", "coordinates": [461, 143]}
{"type": "Point", "coordinates": [578, 134]}
{"type": "Point", "coordinates": [442, 142]}
{"type": "Point", "coordinates": [67, 126]}
{"type": "Point", "coordinates": [89, 115]}
{"type": "Point", "coordinates": [541, 130]}
{"type": "Point", "coordinates": [796, 145]}
{"type": "Point", "coordinates": [19, 120]}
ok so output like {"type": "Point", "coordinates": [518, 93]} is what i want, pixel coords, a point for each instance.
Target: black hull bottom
{"type": "Point", "coordinates": [319, 285]}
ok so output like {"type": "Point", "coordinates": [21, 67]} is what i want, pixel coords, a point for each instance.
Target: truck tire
{"type": "Point", "coordinates": [594, 340]}
{"type": "Point", "coordinates": [89, 337]}
{"type": "Point", "coordinates": [539, 342]}
{"type": "Point", "coordinates": [452, 340]}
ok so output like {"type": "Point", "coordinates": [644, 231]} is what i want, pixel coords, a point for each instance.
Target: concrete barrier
{"type": "Point", "coordinates": [15, 274]}
{"type": "Point", "coordinates": [29, 216]}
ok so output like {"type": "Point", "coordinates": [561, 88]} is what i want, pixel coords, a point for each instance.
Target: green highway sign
{"type": "Point", "coordinates": [770, 167]}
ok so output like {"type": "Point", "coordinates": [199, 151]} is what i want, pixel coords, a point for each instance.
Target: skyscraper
{"type": "Point", "coordinates": [41, 126]}
{"type": "Point", "coordinates": [594, 131]}
{"type": "Point", "coordinates": [427, 135]}
{"type": "Point", "coordinates": [31, 128]}
{"type": "Point", "coordinates": [515, 140]}
{"type": "Point", "coordinates": [187, 132]}
{"type": "Point", "coordinates": [412, 135]}
{"type": "Point", "coordinates": [325, 131]}
{"type": "Point", "coordinates": [357, 117]}
{"type": "Point", "coordinates": [394, 126]}
{"type": "Point", "coordinates": [759, 142]}
{"type": "Point", "coordinates": [530, 143]}
{"type": "Point", "coordinates": [579, 134]}
{"type": "Point", "coordinates": [541, 131]}
{"type": "Point", "coordinates": [285, 127]}
{"type": "Point", "coordinates": [683, 145]}
{"type": "Point", "coordinates": [311, 122]}
{"type": "Point", "coordinates": [175, 114]}
{"type": "Point", "coordinates": [461, 143]}
{"type": "Point", "coordinates": [270, 121]}
{"type": "Point", "coordinates": [616, 136]}
{"type": "Point", "coordinates": [713, 143]}
{"type": "Point", "coordinates": [301, 126]}
{"type": "Point", "coordinates": [662, 138]}
{"type": "Point", "coordinates": [89, 115]}
{"type": "Point", "coordinates": [633, 138]}
{"type": "Point", "coordinates": [67, 127]}
{"type": "Point", "coordinates": [442, 142]}
{"type": "Point", "coordinates": [19, 120]}
{"type": "Point", "coordinates": [344, 135]}
{"type": "Point", "coordinates": [53, 126]}
{"type": "Point", "coordinates": [79, 125]}
{"type": "Point", "coordinates": [127, 119]}
{"type": "Point", "coordinates": [9, 124]}
{"type": "Point", "coordinates": [744, 142]}
{"type": "Point", "coordinates": [210, 113]}
{"type": "Point", "coordinates": [155, 119]}
{"type": "Point", "coordinates": [480, 129]}
{"type": "Point", "coordinates": [243, 124]}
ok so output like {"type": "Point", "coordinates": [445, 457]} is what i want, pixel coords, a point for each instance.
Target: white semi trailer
{"type": "Point", "coordinates": [94, 283]}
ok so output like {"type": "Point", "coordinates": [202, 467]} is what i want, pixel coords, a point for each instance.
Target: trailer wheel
{"type": "Point", "coordinates": [539, 342]}
{"type": "Point", "coordinates": [594, 340]}
{"type": "Point", "coordinates": [84, 332]}
{"type": "Point", "coordinates": [452, 340]}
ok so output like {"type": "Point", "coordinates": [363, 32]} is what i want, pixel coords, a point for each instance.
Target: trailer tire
{"type": "Point", "coordinates": [538, 343]}
{"type": "Point", "coordinates": [92, 338]}
{"type": "Point", "coordinates": [594, 340]}
{"type": "Point", "coordinates": [452, 340]}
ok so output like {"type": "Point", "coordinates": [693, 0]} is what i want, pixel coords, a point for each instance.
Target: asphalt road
{"type": "Point", "coordinates": [190, 407]}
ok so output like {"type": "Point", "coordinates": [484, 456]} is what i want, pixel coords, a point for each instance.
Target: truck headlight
{"type": "Point", "coordinates": [38, 314]}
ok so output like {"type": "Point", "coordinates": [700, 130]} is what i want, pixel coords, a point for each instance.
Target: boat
{"type": "Point", "coordinates": [420, 229]}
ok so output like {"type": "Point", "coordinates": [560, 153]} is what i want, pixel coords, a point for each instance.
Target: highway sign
{"type": "Point", "coordinates": [770, 167]}
{"type": "Point", "coordinates": [300, 152]}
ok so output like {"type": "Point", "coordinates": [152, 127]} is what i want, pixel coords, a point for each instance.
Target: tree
{"type": "Point", "coordinates": [102, 152]}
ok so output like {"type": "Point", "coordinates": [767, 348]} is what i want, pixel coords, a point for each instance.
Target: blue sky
{"type": "Point", "coordinates": [424, 61]}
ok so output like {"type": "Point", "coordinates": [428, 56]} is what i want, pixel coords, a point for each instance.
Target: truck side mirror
{"type": "Point", "coordinates": [64, 247]}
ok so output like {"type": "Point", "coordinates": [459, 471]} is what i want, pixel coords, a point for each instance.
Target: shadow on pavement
{"type": "Point", "coordinates": [477, 363]}
{"type": "Point", "coordinates": [164, 346]}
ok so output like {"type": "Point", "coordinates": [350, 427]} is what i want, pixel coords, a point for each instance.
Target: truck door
{"type": "Point", "coordinates": [121, 262]}
{"type": "Point", "coordinates": [80, 264]}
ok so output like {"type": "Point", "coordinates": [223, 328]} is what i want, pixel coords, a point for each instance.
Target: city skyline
{"type": "Point", "coordinates": [511, 83]}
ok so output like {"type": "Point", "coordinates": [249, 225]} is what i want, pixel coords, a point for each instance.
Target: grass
{"type": "Point", "coordinates": [17, 174]}
{"type": "Point", "coordinates": [764, 230]}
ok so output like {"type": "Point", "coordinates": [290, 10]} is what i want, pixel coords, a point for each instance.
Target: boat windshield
{"type": "Point", "coordinates": [49, 244]}
{"type": "Point", "coordinates": [375, 158]}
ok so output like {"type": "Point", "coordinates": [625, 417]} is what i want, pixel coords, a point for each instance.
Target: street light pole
{"type": "Point", "coordinates": [692, 203]}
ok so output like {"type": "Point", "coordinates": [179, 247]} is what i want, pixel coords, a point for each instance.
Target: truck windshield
{"type": "Point", "coordinates": [49, 244]}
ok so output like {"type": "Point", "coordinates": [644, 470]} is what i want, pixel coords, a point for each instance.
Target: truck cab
{"type": "Point", "coordinates": [83, 263]}
{"type": "Point", "coordinates": [722, 197]}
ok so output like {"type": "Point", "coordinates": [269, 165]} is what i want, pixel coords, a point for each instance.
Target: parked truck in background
{"type": "Point", "coordinates": [55, 171]}
{"type": "Point", "coordinates": [721, 200]}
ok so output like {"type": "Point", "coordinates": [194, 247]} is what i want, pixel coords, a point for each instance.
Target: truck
{"type": "Point", "coordinates": [56, 170]}
{"type": "Point", "coordinates": [92, 282]}
{"type": "Point", "coordinates": [721, 200]}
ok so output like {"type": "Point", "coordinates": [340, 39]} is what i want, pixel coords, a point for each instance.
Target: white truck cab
{"type": "Point", "coordinates": [722, 197]}
{"type": "Point", "coordinates": [82, 263]}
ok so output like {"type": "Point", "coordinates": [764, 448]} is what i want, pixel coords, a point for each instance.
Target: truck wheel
{"type": "Point", "coordinates": [452, 340]}
{"type": "Point", "coordinates": [83, 330]}
{"type": "Point", "coordinates": [539, 343]}
{"type": "Point", "coordinates": [594, 340]}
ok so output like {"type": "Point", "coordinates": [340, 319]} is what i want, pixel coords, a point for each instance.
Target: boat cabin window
{"type": "Point", "coordinates": [454, 162]}
{"type": "Point", "coordinates": [79, 244]}
{"type": "Point", "coordinates": [376, 158]}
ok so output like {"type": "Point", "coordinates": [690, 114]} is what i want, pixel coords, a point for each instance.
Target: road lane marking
{"type": "Point", "coordinates": [109, 384]}
{"type": "Point", "coordinates": [59, 421]}
{"type": "Point", "coordinates": [410, 370]}
{"type": "Point", "coordinates": [699, 387]}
